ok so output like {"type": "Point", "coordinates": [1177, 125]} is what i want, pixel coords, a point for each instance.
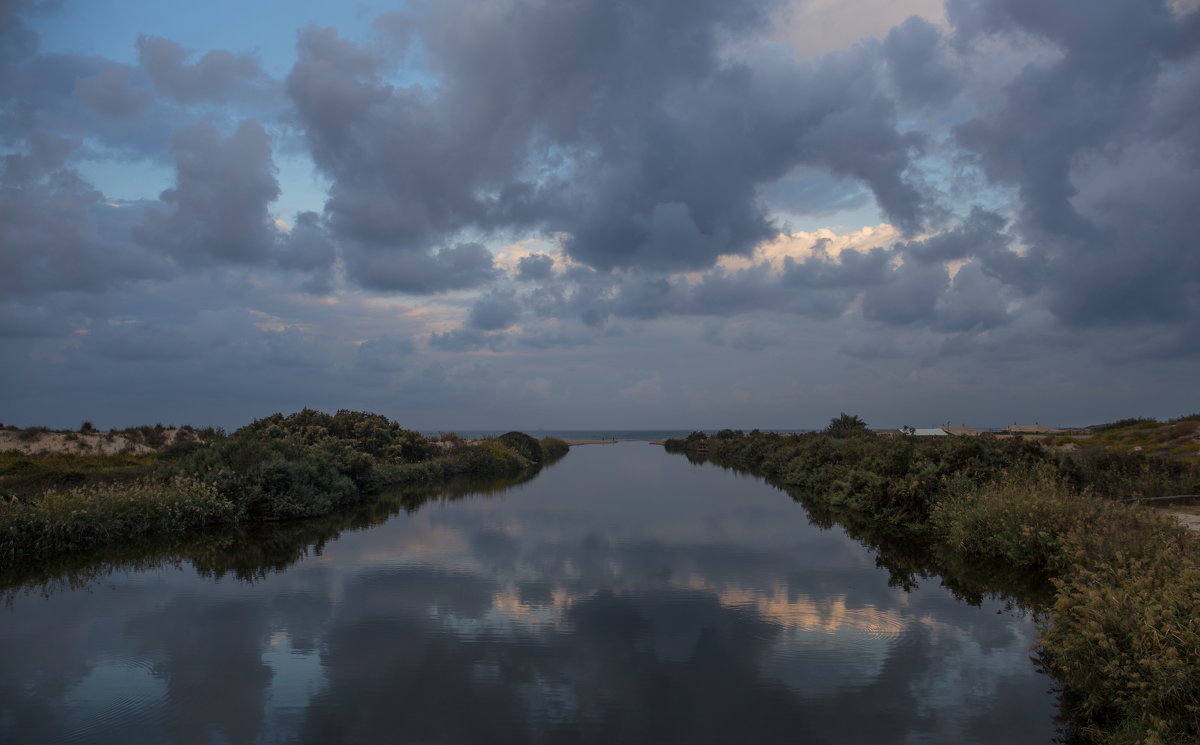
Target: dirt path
{"type": "Point", "coordinates": [1190, 519]}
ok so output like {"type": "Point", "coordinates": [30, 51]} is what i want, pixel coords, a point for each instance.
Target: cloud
{"type": "Point", "coordinates": [384, 355]}
{"type": "Point", "coordinates": [919, 64]}
{"type": "Point", "coordinates": [217, 210]}
{"type": "Point", "coordinates": [494, 311]}
{"type": "Point", "coordinates": [1066, 129]}
{"type": "Point", "coordinates": [657, 162]}
{"type": "Point", "coordinates": [458, 267]}
{"type": "Point", "coordinates": [217, 76]}
{"type": "Point", "coordinates": [598, 181]}
{"type": "Point", "coordinates": [53, 226]}
{"type": "Point", "coordinates": [111, 93]}
{"type": "Point", "coordinates": [535, 266]}
{"type": "Point", "coordinates": [463, 340]}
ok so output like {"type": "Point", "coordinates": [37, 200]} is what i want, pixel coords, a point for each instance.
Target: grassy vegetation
{"type": "Point", "coordinates": [280, 467]}
{"type": "Point", "coordinates": [88, 515]}
{"type": "Point", "coordinates": [26, 476]}
{"type": "Point", "coordinates": [1177, 439]}
{"type": "Point", "coordinates": [1122, 632]}
{"type": "Point", "coordinates": [247, 550]}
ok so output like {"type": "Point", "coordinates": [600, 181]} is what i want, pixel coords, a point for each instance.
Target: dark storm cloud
{"type": "Point", "coordinates": [975, 302]}
{"type": "Point", "coordinates": [535, 266]}
{"type": "Point", "coordinates": [981, 234]}
{"type": "Point", "coordinates": [452, 268]}
{"type": "Point", "coordinates": [1073, 134]}
{"type": "Point", "coordinates": [620, 125]}
{"type": "Point", "coordinates": [910, 296]}
{"type": "Point", "coordinates": [918, 64]}
{"type": "Point", "coordinates": [494, 311]}
{"type": "Point", "coordinates": [851, 269]}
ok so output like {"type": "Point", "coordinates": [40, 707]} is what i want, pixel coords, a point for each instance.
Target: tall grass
{"type": "Point", "coordinates": [1123, 633]}
{"type": "Point", "coordinates": [88, 515]}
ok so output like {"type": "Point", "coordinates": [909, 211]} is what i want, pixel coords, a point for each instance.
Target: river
{"type": "Point", "coordinates": [624, 595]}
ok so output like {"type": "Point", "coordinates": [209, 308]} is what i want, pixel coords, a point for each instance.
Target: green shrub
{"type": "Point", "coordinates": [85, 516]}
{"type": "Point", "coordinates": [1021, 518]}
{"type": "Point", "coordinates": [523, 445]}
{"type": "Point", "coordinates": [279, 467]}
{"type": "Point", "coordinates": [270, 478]}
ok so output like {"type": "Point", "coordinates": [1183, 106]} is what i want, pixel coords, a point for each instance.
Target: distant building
{"type": "Point", "coordinates": [1030, 429]}
{"type": "Point", "coordinates": [887, 432]}
{"type": "Point", "coordinates": [929, 432]}
{"type": "Point", "coordinates": [963, 430]}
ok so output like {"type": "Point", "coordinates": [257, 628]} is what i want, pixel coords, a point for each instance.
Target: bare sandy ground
{"type": "Point", "coordinates": [76, 443]}
{"type": "Point", "coordinates": [573, 443]}
{"type": "Point", "coordinates": [1189, 519]}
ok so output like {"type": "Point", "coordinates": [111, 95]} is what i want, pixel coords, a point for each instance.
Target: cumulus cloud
{"type": "Point", "coordinates": [1055, 132]}
{"type": "Point", "coordinates": [52, 226]}
{"type": "Point", "coordinates": [657, 162]}
{"type": "Point", "coordinates": [1026, 174]}
{"type": "Point", "coordinates": [111, 93]}
{"type": "Point", "coordinates": [217, 211]}
{"type": "Point", "coordinates": [216, 75]}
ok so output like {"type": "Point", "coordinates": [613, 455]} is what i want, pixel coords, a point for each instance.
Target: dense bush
{"type": "Point", "coordinates": [278, 467]}
{"type": "Point", "coordinates": [1123, 633]}
{"type": "Point", "coordinates": [274, 478]}
{"type": "Point", "coordinates": [1121, 423]}
{"type": "Point", "coordinates": [1021, 518]}
{"type": "Point", "coordinates": [86, 516]}
{"type": "Point", "coordinates": [522, 444]}
{"type": "Point", "coordinates": [894, 478]}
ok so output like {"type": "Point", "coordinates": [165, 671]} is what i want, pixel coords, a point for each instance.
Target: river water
{"type": "Point", "coordinates": [624, 595]}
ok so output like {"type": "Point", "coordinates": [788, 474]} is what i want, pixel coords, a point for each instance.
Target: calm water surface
{"type": "Point", "coordinates": [623, 595]}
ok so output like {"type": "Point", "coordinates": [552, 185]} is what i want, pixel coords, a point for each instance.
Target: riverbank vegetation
{"type": "Point", "coordinates": [1121, 633]}
{"type": "Point", "coordinates": [280, 467]}
{"type": "Point", "coordinates": [1177, 438]}
{"type": "Point", "coordinates": [245, 550]}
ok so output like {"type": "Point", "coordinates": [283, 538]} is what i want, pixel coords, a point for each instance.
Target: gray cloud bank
{"type": "Point", "coordinates": [1038, 160]}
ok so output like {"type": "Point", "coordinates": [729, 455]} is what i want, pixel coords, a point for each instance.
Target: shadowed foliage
{"type": "Point", "coordinates": [1121, 634]}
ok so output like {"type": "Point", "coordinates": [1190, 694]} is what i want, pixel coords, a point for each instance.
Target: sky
{"type": "Point", "coordinates": [567, 214]}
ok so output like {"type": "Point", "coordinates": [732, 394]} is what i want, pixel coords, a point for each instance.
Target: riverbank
{"type": "Point", "coordinates": [1121, 634]}
{"type": "Point", "coordinates": [276, 468]}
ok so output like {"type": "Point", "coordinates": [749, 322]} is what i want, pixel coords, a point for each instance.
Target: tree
{"type": "Point", "coordinates": [846, 426]}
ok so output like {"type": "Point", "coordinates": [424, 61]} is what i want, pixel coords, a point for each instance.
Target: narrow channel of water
{"type": "Point", "coordinates": [623, 595]}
